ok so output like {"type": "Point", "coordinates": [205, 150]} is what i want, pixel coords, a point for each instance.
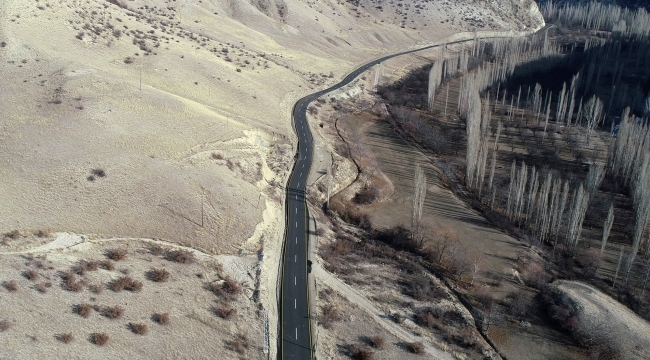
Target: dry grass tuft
{"type": "Point", "coordinates": [44, 233]}
{"type": "Point", "coordinates": [138, 328]}
{"type": "Point", "coordinates": [85, 265]}
{"type": "Point", "coordinates": [113, 312]}
{"type": "Point", "coordinates": [117, 254]}
{"type": "Point", "coordinates": [181, 256]}
{"type": "Point", "coordinates": [162, 319]}
{"type": "Point", "coordinates": [42, 287]}
{"type": "Point", "coordinates": [377, 342]}
{"type": "Point", "coordinates": [4, 325]}
{"type": "Point", "coordinates": [15, 234]}
{"type": "Point", "coordinates": [361, 352]}
{"type": "Point", "coordinates": [416, 347]}
{"type": "Point", "coordinates": [240, 345]}
{"type": "Point", "coordinates": [158, 275]}
{"type": "Point", "coordinates": [329, 315]}
{"type": "Point", "coordinates": [70, 282]}
{"type": "Point", "coordinates": [108, 265]}
{"type": "Point", "coordinates": [156, 249]}
{"type": "Point", "coordinates": [11, 286]}
{"type": "Point", "coordinates": [225, 311]}
{"type": "Point", "coordinates": [126, 283]}
{"type": "Point", "coordinates": [99, 338]}
{"type": "Point", "coordinates": [229, 288]}
{"type": "Point", "coordinates": [66, 338]}
{"type": "Point", "coordinates": [31, 274]}
{"type": "Point", "coordinates": [84, 310]}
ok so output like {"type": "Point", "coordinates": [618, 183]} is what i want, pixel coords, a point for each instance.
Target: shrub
{"type": "Point", "coordinates": [70, 282]}
{"type": "Point", "coordinates": [113, 312]}
{"type": "Point", "coordinates": [158, 275]}
{"type": "Point", "coordinates": [11, 285]}
{"type": "Point", "coordinates": [229, 288]}
{"type": "Point", "coordinates": [162, 319]}
{"type": "Point", "coordinates": [225, 311]}
{"type": "Point", "coordinates": [44, 233]}
{"type": "Point", "coordinates": [31, 274]}
{"type": "Point", "coordinates": [99, 172]}
{"type": "Point", "coordinates": [138, 328]}
{"type": "Point", "coordinates": [126, 283]}
{"type": "Point", "coordinates": [181, 256]}
{"type": "Point", "coordinates": [240, 344]}
{"type": "Point", "coordinates": [99, 338]}
{"type": "Point", "coordinates": [156, 249]}
{"type": "Point", "coordinates": [330, 315]}
{"type": "Point", "coordinates": [361, 352]}
{"type": "Point", "coordinates": [85, 265]}
{"type": "Point", "coordinates": [117, 254]}
{"type": "Point", "coordinates": [66, 338]}
{"type": "Point", "coordinates": [377, 342]}
{"type": "Point", "coordinates": [108, 265]}
{"type": "Point", "coordinates": [4, 325]}
{"type": "Point", "coordinates": [416, 347]}
{"type": "Point", "coordinates": [429, 317]}
{"type": "Point", "coordinates": [15, 234]}
{"type": "Point", "coordinates": [367, 195]}
{"type": "Point", "coordinates": [97, 289]}
{"type": "Point", "coordinates": [83, 310]}
{"type": "Point", "coordinates": [41, 287]}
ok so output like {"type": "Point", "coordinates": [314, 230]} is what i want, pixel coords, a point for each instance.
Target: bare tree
{"type": "Point", "coordinates": [592, 113]}
{"type": "Point", "coordinates": [607, 227]}
{"type": "Point", "coordinates": [419, 193]}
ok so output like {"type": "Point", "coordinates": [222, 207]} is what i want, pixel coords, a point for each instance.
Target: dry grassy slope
{"type": "Point", "coordinates": [71, 103]}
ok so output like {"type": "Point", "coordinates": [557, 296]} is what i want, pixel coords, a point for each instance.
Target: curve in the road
{"type": "Point", "coordinates": [295, 332]}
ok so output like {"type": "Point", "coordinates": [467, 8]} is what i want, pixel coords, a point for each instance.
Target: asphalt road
{"type": "Point", "coordinates": [295, 339]}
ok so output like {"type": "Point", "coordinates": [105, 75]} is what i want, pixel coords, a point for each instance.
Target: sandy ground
{"type": "Point", "coordinates": [37, 318]}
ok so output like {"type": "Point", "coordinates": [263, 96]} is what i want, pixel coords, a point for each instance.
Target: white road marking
{"type": "Point", "coordinates": [295, 258]}
{"type": "Point", "coordinates": [296, 210]}
{"type": "Point", "coordinates": [296, 224]}
{"type": "Point", "coordinates": [296, 240]}
{"type": "Point", "coordinates": [295, 280]}
{"type": "Point", "coordinates": [296, 333]}
{"type": "Point", "coordinates": [295, 305]}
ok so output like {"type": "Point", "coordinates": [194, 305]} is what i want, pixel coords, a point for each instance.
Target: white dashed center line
{"type": "Point", "coordinates": [295, 305]}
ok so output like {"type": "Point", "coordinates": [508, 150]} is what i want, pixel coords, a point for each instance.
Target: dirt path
{"type": "Point", "coordinates": [378, 315]}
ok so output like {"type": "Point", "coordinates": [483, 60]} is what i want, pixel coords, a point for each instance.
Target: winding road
{"type": "Point", "coordinates": [295, 333]}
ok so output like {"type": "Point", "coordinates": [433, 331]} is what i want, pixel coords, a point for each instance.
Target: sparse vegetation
{"type": "Point", "coordinates": [158, 275]}
{"type": "Point", "coordinates": [416, 347]}
{"type": "Point", "coordinates": [126, 283]}
{"type": "Point", "coordinates": [31, 274]}
{"type": "Point", "coordinates": [181, 256]}
{"type": "Point", "coordinates": [5, 325]}
{"type": "Point", "coordinates": [361, 352]}
{"type": "Point", "coordinates": [11, 286]}
{"type": "Point", "coordinates": [377, 342]}
{"type": "Point", "coordinates": [240, 344]}
{"type": "Point", "coordinates": [225, 311]}
{"type": "Point", "coordinates": [329, 315]}
{"type": "Point", "coordinates": [108, 265]}
{"type": "Point", "coordinates": [84, 310]}
{"type": "Point", "coordinates": [162, 319]}
{"type": "Point", "coordinates": [70, 282]}
{"type": "Point", "coordinates": [117, 254]}
{"type": "Point", "coordinates": [99, 339]}
{"type": "Point", "coordinates": [156, 249]}
{"type": "Point", "coordinates": [66, 338]}
{"type": "Point", "coordinates": [113, 312]}
{"type": "Point", "coordinates": [139, 328]}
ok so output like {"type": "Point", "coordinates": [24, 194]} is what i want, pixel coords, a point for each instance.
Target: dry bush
{"type": "Point", "coordinates": [42, 287]}
{"type": "Point", "coordinates": [31, 274]}
{"type": "Point", "coordinates": [162, 319]}
{"type": "Point", "coordinates": [97, 289]}
{"type": "Point", "coordinates": [429, 317]}
{"type": "Point", "coordinates": [85, 265]}
{"type": "Point", "coordinates": [108, 265]}
{"type": "Point", "coordinates": [15, 234]}
{"type": "Point", "coordinates": [534, 275]}
{"type": "Point", "coordinates": [329, 315]}
{"type": "Point", "coordinates": [84, 310]}
{"type": "Point", "coordinates": [225, 311]}
{"type": "Point", "coordinates": [66, 338]}
{"type": "Point", "coordinates": [138, 328]}
{"type": "Point", "coordinates": [377, 342]}
{"type": "Point", "coordinates": [158, 275]}
{"type": "Point", "coordinates": [229, 288]}
{"type": "Point", "coordinates": [11, 285]}
{"type": "Point", "coordinates": [98, 172]}
{"type": "Point", "coordinates": [113, 312]}
{"type": "Point", "coordinates": [4, 325]}
{"type": "Point", "coordinates": [129, 60]}
{"type": "Point", "coordinates": [156, 249]}
{"type": "Point", "coordinates": [367, 195]}
{"type": "Point", "coordinates": [99, 338]}
{"type": "Point", "coordinates": [240, 345]}
{"type": "Point", "coordinates": [117, 254]}
{"type": "Point", "coordinates": [416, 347]}
{"type": "Point", "coordinates": [181, 256]}
{"type": "Point", "coordinates": [361, 352]}
{"type": "Point", "coordinates": [70, 282]}
{"type": "Point", "coordinates": [44, 233]}
{"type": "Point", "coordinates": [465, 338]}
{"type": "Point", "coordinates": [126, 283]}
